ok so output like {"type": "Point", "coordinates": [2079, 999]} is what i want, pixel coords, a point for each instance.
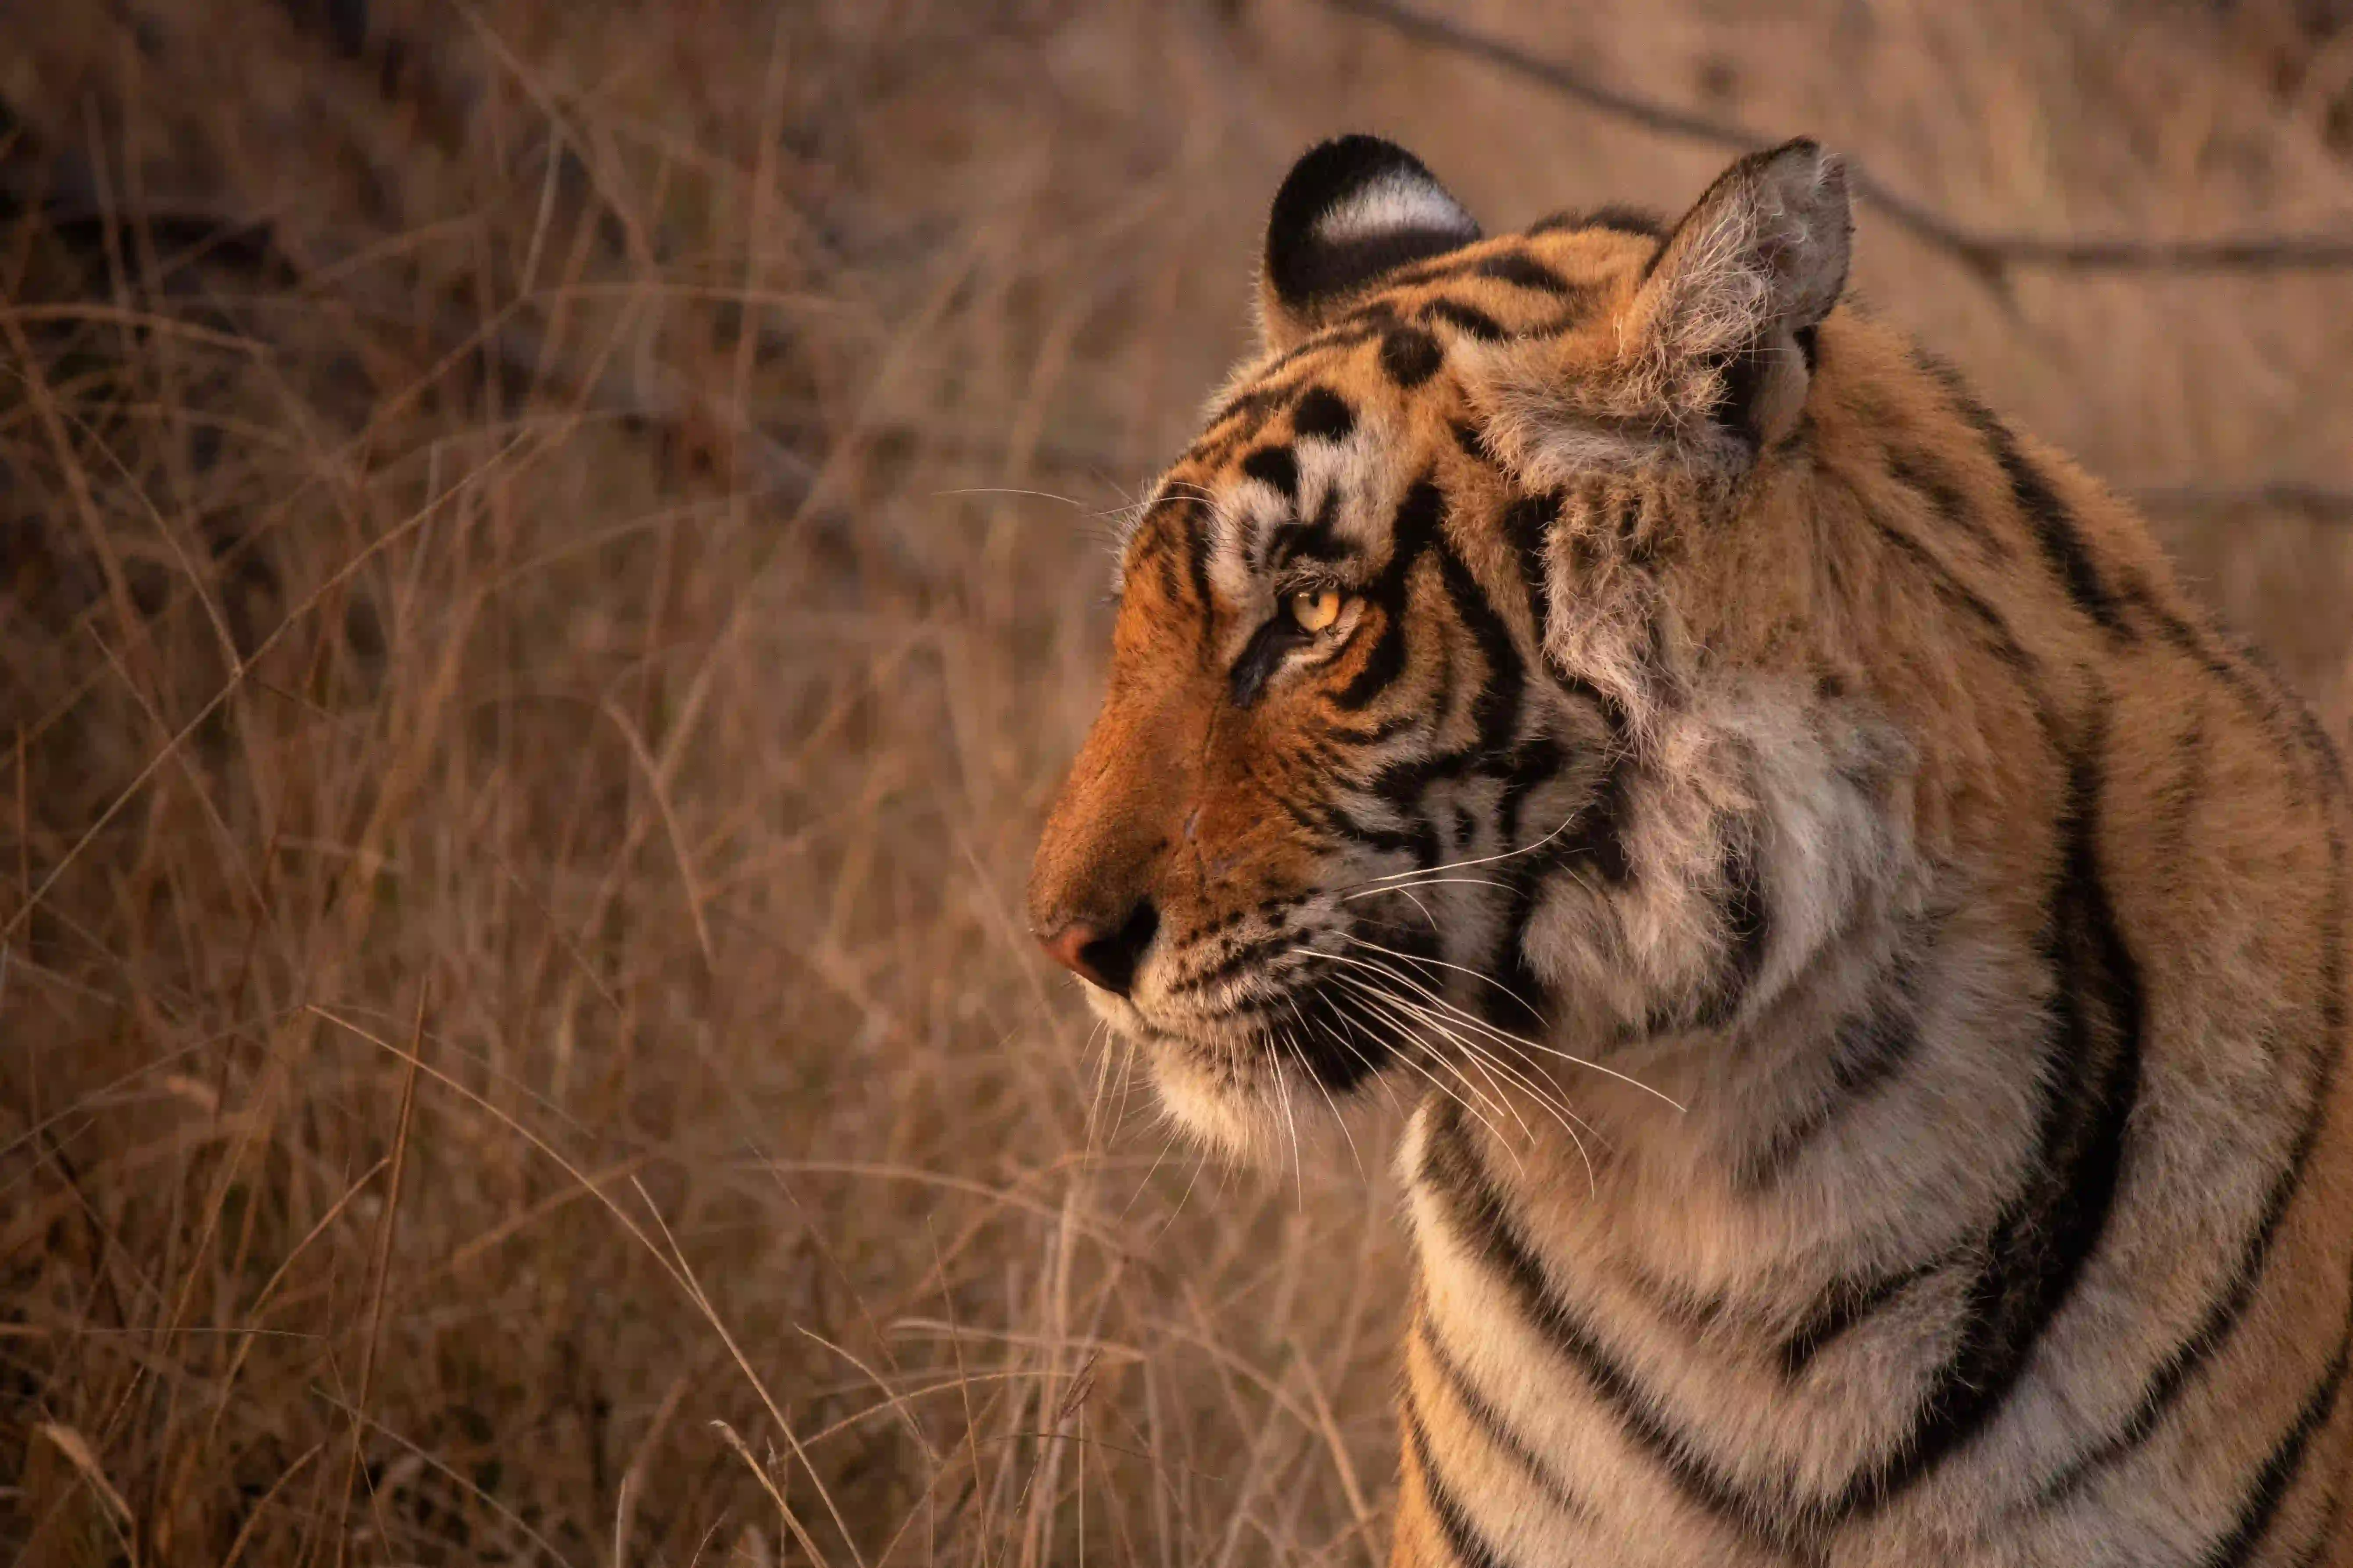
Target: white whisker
{"type": "Point", "coordinates": [1502, 1034]}
{"type": "Point", "coordinates": [1525, 1005]}
{"type": "Point", "coordinates": [1567, 823]}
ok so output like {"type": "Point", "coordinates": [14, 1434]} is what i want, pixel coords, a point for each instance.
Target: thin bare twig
{"type": "Point", "coordinates": [2324, 503]}
{"type": "Point", "coordinates": [1989, 255]}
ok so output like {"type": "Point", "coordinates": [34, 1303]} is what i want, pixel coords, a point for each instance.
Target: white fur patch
{"type": "Point", "coordinates": [1395, 204]}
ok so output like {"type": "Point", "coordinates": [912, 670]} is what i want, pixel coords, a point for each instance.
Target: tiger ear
{"type": "Point", "coordinates": [1350, 210]}
{"type": "Point", "coordinates": [1724, 319]}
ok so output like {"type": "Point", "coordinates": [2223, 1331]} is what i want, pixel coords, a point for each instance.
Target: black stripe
{"type": "Point", "coordinates": [2222, 1317]}
{"type": "Point", "coordinates": [1599, 837]}
{"type": "Point", "coordinates": [1622, 219]}
{"type": "Point", "coordinates": [1383, 665]}
{"type": "Point", "coordinates": [1361, 325]}
{"type": "Point", "coordinates": [1922, 475]}
{"type": "Point", "coordinates": [1495, 1429]}
{"type": "Point", "coordinates": [2051, 519]}
{"type": "Point", "coordinates": [1496, 708]}
{"type": "Point", "coordinates": [1538, 761]}
{"type": "Point", "coordinates": [1842, 1306]}
{"type": "Point", "coordinates": [1412, 532]}
{"type": "Point", "coordinates": [1251, 407]}
{"type": "Point", "coordinates": [1340, 1053]}
{"type": "Point", "coordinates": [1871, 1048]}
{"type": "Point", "coordinates": [2285, 720]}
{"type": "Point", "coordinates": [1594, 839]}
{"type": "Point", "coordinates": [1463, 1537]}
{"type": "Point", "coordinates": [1195, 521]}
{"type": "Point", "coordinates": [1419, 840]}
{"type": "Point", "coordinates": [1809, 339]}
{"type": "Point", "coordinates": [1451, 1170]}
{"type": "Point", "coordinates": [1273, 642]}
{"type": "Point", "coordinates": [1521, 270]}
{"type": "Point", "coordinates": [1315, 540]}
{"type": "Point", "coordinates": [1466, 437]}
{"type": "Point", "coordinates": [1746, 916]}
{"type": "Point", "coordinates": [1527, 523]}
{"type": "Point", "coordinates": [2000, 639]}
{"type": "Point", "coordinates": [1464, 317]}
{"type": "Point", "coordinates": [1371, 734]}
{"type": "Point", "coordinates": [1399, 784]}
{"type": "Point", "coordinates": [2270, 1485]}
{"type": "Point", "coordinates": [2048, 1232]}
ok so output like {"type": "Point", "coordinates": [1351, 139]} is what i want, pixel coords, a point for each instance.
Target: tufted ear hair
{"type": "Point", "coordinates": [1723, 323]}
{"type": "Point", "coordinates": [1350, 210]}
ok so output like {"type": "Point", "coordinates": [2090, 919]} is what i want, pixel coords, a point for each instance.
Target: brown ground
{"type": "Point", "coordinates": [549, 557]}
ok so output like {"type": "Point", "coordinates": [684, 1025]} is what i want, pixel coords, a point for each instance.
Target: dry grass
{"type": "Point", "coordinates": [550, 564]}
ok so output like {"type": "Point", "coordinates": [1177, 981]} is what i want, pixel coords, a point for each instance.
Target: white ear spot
{"type": "Point", "coordinates": [1397, 204]}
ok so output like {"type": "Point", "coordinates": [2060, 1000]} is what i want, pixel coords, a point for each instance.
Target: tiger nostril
{"type": "Point", "coordinates": [1108, 959]}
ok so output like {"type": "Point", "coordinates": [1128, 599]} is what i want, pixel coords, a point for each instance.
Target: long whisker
{"type": "Point", "coordinates": [1482, 1025]}
{"type": "Point", "coordinates": [1548, 1098]}
{"type": "Point", "coordinates": [1477, 1111]}
{"type": "Point", "coordinates": [1567, 823]}
{"type": "Point", "coordinates": [1521, 1075]}
{"type": "Point", "coordinates": [1400, 1014]}
{"type": "Point", "coordinates": [1355, 1027]}
{"type": "Point", "coordinates": [1299, 1050]}
{"type": "Point", "coordinates": [1283, 1095]}
{"type": "Point", "coordinates": [1525, 1005]}
{"type": "Point", "coordinates": [1432, 880]}
{"type": "Point", "coordinates": [1488, 1069]}
{"type": "Point", "coordinates": [1528, 1073]}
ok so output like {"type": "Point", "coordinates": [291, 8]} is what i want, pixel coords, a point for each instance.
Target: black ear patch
{"type": "Point", "coordinates": [1350, 210]}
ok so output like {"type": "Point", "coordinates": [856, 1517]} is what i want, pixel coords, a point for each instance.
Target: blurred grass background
{"type": "Point", "coordinates": [550, 556]}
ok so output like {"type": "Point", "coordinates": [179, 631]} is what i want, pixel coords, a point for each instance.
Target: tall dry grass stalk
{"type": "Point", "coordinates": [551, 558]}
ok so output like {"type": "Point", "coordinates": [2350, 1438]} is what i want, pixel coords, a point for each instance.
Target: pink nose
{"type": "Point", "coordinates": [1068, 947]}
{"type": "Point", "coordinates": [1108, 959]}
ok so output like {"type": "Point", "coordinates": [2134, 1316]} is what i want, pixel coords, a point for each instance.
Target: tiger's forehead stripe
{"type": "Point", "coordinates": [1499, 291]}
{"type": "Point", "coordinates": [1493, 292]}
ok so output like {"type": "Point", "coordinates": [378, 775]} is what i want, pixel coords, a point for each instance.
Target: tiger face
{"type": "Point", "coordinates": [1383, 642]}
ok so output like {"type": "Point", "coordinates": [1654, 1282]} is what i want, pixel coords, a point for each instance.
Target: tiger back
{"type": "Point", "coordinates": [1873, 953]}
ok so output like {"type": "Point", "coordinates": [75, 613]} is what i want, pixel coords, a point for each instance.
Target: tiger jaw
{"type": "Point", "coordinates": [1246, 1085]}
{"type": "Point", "coordinates": [1341, 1008]}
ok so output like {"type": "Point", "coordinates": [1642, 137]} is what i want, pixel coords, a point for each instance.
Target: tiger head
{"type": "Point", "coordinates": [1391, 765]}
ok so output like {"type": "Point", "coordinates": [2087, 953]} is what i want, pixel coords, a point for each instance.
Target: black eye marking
{"type": "Point", "coordinates": [1323, 414]}
{"type": "Point", "coordinates": [1262, 656]}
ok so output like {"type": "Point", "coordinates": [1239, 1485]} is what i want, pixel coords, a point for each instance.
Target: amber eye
{"type": "Point", "coordinates": [1315, 609]}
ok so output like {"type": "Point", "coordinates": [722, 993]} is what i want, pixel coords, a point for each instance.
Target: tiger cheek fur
{"type": "Point", "coordinates": [1875, 953]}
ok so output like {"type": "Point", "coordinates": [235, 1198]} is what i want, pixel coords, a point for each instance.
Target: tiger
{"type": "Point", "coordinates": [1869, 949]}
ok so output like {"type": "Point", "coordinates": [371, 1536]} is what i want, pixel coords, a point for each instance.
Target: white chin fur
{"type": "Point", "coordinates": [1240, 1121]}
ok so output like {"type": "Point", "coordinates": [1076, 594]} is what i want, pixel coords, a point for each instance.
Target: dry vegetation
{"type": "Point", "coordinates": [549, 556]}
